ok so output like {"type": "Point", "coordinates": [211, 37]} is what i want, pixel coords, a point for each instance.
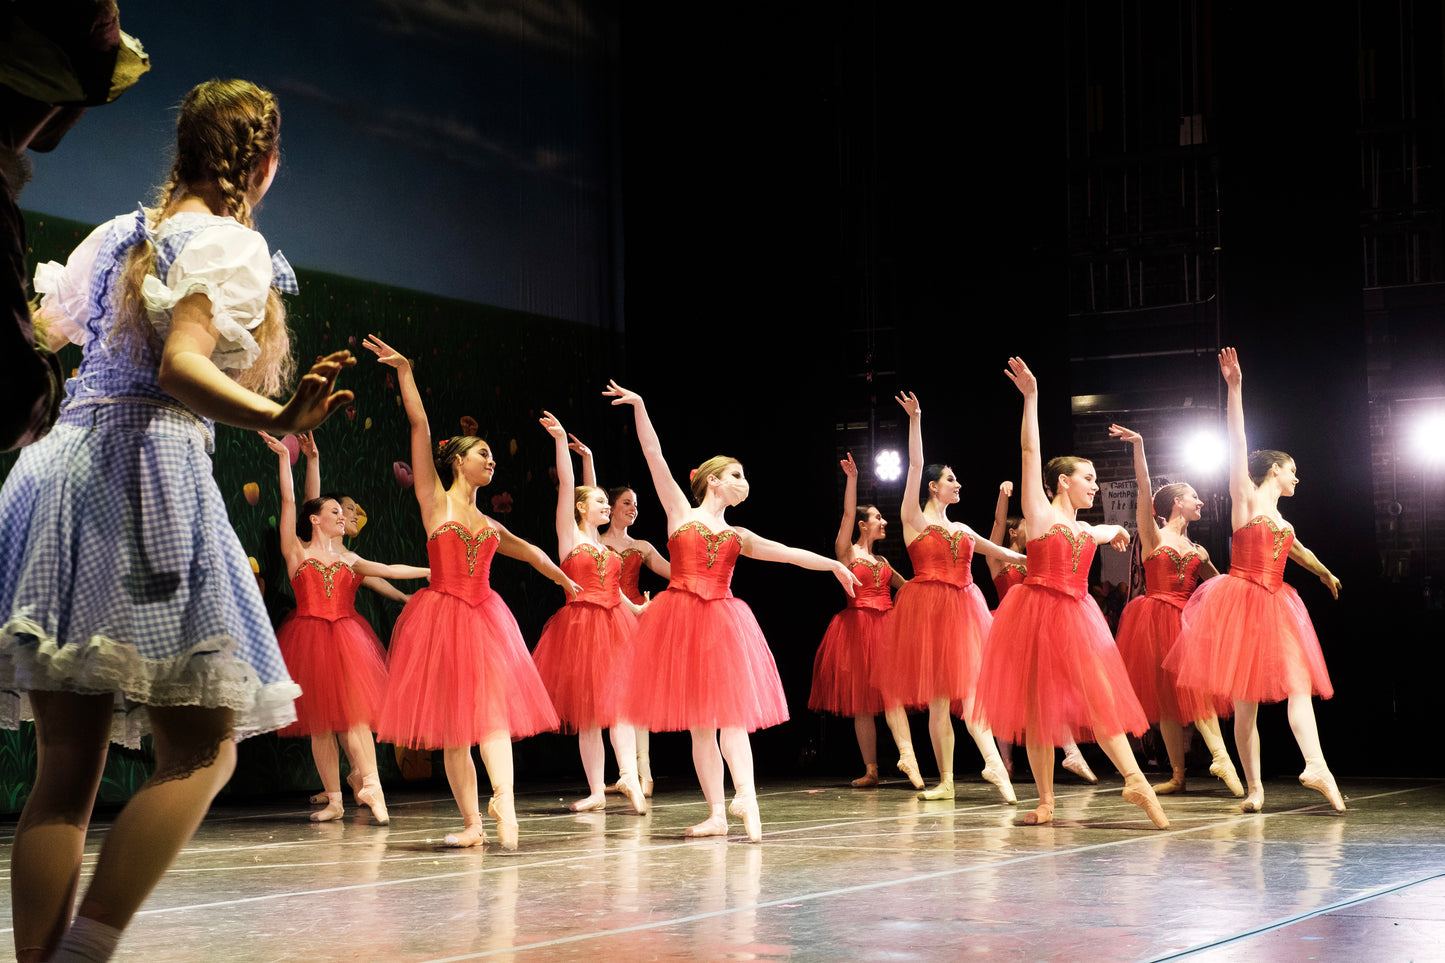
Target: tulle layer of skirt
{"type": "Point", "coordinates": [341, 668]}
{"type": "Point", "coordinates": [1241, 641]}
{"type": "Point", "coordinates": [1148, 630]}
{"type": "Point", "coordinates": [460, 672]}
{"type": "Point", "coordinates": [936, 643]}
{"type": "Point", "coordinates": [843, 668]}
{"type": "Point", "coordinates": [702, 663]}
{"type": "Point", "coordinates": [1051, 672]}
{"type": "Point", "coordinates": [584, 657]}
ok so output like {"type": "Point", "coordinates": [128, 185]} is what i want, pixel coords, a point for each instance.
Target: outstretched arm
{"type": "Point", "coordinates": [524, 551]}
{"type": "Point", "coordinates": [755, 546]}
{"type": "Point", "coordinates": [910, 513]}
{"type": "Point", "coordinates": [843, 543]}
{"type": "Point", "coordinates": [654, 560]}
{"type": "Point", "coordinates": [1143, 504]}
{"type": "Point", "coordinates": [286, 527]}
{"type": "Point", "coordinates": [425, 484]}
{"type": "Point", "coordinates": [312, 488]}
{"type": "Point", "coordinates": [589, 467]}
{"type": "Point", "coordinates": [379, 571]}
{"type": "Point", "coordinates": [1032, 497]}
{"type": "Point", "coordinates": [385, 589]}
{"type": "Point", "coordinates": [1241, 489]}
{"type": "Point", "coordinates": [565, 520]}
{"type": "Point", "coordinates": [1314, 566]}
{"type": "Point", "coordinates": [993, 551]}
{"type": "Point", "coordinates": [674, 502]}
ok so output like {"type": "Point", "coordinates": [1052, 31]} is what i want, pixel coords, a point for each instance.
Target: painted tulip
{"type": "Point", "coordinates": [402, 471]}
{"type": "Point", "coordinates": [252, 491]}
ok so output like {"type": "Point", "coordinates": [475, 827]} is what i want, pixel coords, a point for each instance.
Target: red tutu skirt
{"type": "Point", "coordinates": [1050, 671]}
{"type": "Point", "coordinates": [460, 672]}
{"type": "Point", "coordinates": [341, 668]}
{"type": "Point", "coordinates": [936, 642]}
{"type": "Point", "coordinates": [1148, 629]}
{"type": "Point", "coordinates": [584, 657]}
{"type": "Point", "coordinates": [843, 668]}
{"type": "Point", "coordinates": [1241, 641]}
{"type": "Point", "coordinates": [702, 663]}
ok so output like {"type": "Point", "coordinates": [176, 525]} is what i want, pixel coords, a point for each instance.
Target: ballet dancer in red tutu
{"type": "Point", "coordinates": [843, 668]}
{"type": "Point", "coordinates": [700, 660]}
{"type": "Point", "coordinates": [1149, 626]}
{"type": "Point", "coordinates": [1248, 636]}
{"type": "Point", "coordinates": [461, 675]}
{"type": "Point", "coordinates": [1050, 668]}
{"type": "Point", "coordinates": [1011, 532]}
{"type": "Point", "coordinates": [585, 651]}
{"type": "Point", "coordinates": [329, 649]}
{"type": "Point", "coordinates": [939, 623]}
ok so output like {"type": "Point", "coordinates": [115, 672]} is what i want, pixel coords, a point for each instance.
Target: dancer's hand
{"type": "Point", "coordinates": [571, 588]}
{"type": "Point", "coordinates": [849, 468]}
{"type": "Point", "coordinates": [909, 401]}
{"type": "Point", "coordinates": [307, 440]}
{"type": "Point", "coordinates": [1022, 377]}
{"type": "Point", "coordinates": [1229, 367]}
{"type": "Point", "coordinates": [1006, 489]}
{"type": "Point", "coordinates": [553, 426]}
{"type": "Point", "coordinates": [845, 575]}
{"type": "Point", "coordinates": [384, 352]}
{"type": "Point", "coordinates": [1331, 583]}
{"type": "Point", "coordinates": [576, 445]}
{"type": "Point", "coordinates": [620, 395]}
{"type": "Point", "coordinates": [1120, 542]}
{"type": "Point", "coordinates": [1124, 434]}
{"type": "Point", "coordinates": [275, 445]}
{"type": "Point", "coordinates": [314, 401]}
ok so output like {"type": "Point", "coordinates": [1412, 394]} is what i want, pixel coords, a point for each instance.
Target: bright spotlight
{"type": "Point", "coordinates": [1429, 438]}
{"type": "Point", "coordinates": [887, 466]}
{"type": "Point", "coordinates": [1205, 453]}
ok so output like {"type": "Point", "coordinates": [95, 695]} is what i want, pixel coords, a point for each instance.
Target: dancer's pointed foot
{"type": "Point", "coordinates": [333, 810]}
{"type": "Point", "coordinates": [1143, 797]}
{"type": "Point", "coordinates": [944, 789]}
{"type": "Point", "coordinates": [746, 809]}
{"type": "Point", "coordinates": [995, 773]}
{"type": "Point", "coordinates": [1253, 801]}
{"type": "Point", "coordinates": [908, 765]}
{"type": "Point", "coordinates": [504, 811]}
{"type": "Point", "coordinates": [634, 794]}
{"type": "Point", "coordinates": [1319, 779]}
{"type": "Point", "coordinates": [590, 804]}
{"type": "Point", "coordinates": [646, 782]}
{"type": "Point", "coordinates": [868, 779]}
{"type": "Point", "coordinates": [1223, 768]}
{"type": "Point", "coordinates": [1074, 763]}
{"type": "Point", "coordinates": [714, 825]}
{"type": "Point", "coordinates": [1042, 815]}
{"type": "Point", "coordinates": [472, 835]}
{"type": "Point", "coordinates": [1174, 785]}
{"type": "Point", "coordinates": [319, 799]}
{"type": "Point", "coordinates": [370, 795]}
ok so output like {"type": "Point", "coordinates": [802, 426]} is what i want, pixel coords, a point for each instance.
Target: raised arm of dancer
{"type": "Point", "coordinates": [188, 374]}
{"type": "Point", "coordinates": [843, 543]}
{"type": "Point", "coordinates": [999, 532]}
{"type": "Point", "coordinates": [755, 546]}
{"type": "Point", "coordinates": [1144, 502]}
{"type": "Point", "coordinates": [674, 502]}
{"type": "Point", "coordinates": [386, 590]}
{"type": "Point", "coordinates": [565, 519]}
{"type": "Point", "coordinates": [911, 514]}
{"type": "Point", "coordinates": [291, 549]}
{"type": "Point", "coordinates": [524, 551]}
{"type": "Point", "coordinates": [312, 487]}
{"type": "Point", "coordinates": [1038, 515]}
{"type": "Point", "coordinates": [589, 467]}
{"type": "Point", "coordinates": [430, 494]}
{"type": "Point", "coordinates": [1306, 558]}
{"type": "Point", "coordinates": [1241, 489]}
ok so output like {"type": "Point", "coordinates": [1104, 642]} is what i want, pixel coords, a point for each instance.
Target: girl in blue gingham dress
{"type": "Point", "coordinates": [126, 601]}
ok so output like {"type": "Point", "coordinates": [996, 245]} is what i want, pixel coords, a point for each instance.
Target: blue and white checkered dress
{"type": "Point", "coordinates": [119, 570]}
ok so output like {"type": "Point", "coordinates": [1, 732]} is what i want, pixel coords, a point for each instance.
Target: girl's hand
{"type": "Point", "coordinates": [553, 426]}
{"type": "Point", "coordinates": [620, 395]}
{"type": "Point", "coordinates": [308, 444]}
{"type": "Point", "coordinates": [1124, 434]}
{"type": "Point", "coordinates": [1120, 542]}
{"type": "Point", "coordinates": [909, 401]}
{"type": "Point", "coordinates": [849, 468]}
{"type": "Point", "coordinates": [1006, 489]}
{"type": "Point", "coordinates": [570, 587]}
{"type": "Point", "coordinates": [845, 576]}
{"type": "Point", "coordinates": [384, 352]}
{"type": "Point", "coordinates": [1022, 377]}
{"type": "Point", "coordinates": [1331, 583]}
{"type": "Point", "coordinates": [314, 401]}
{"type": "Point", "coordinates": [1229, 367]}
{"type": "Point", "coordinates": [576, 445]}
{"type": "Point", "coordinates": [275, 445]}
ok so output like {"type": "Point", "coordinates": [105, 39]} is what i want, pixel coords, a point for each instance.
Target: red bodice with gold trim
{"type": "Point", "coordinates": [876, 578]}
{"type": "Point", "coordinates": [942, 556]}
{"type": "Point", "coordinates": [325, 591]}
{"type": "Point", "coordinates": [631, 573]}
{"type": "Point", "coordinates": [702, 562]}
{"type": "Point", "coordinates": [597, 572]}
{"type": "Point", "coordinates": [1170, 577]}
{"type": "Point", "coordinates": [1260, 551]}
{"type": "Point", "coordinates": [1059, 559]}
{"type": "Point", "coordinates": [1010, 576]}
{"type": "Point", "coordinates": [461, 561]}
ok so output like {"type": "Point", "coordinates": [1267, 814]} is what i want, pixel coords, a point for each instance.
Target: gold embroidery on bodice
{"type": "Point", "coordinates": [472, 542]}
{"type": "Point", "coordinates": [1076, 542]}
{"type": "Point", "coordinates": [1181, 563]}
{"type": "Point", "coordinates": [875, 567]}
{"type": "Point", "coordinates": [714, 542]}
{"type": "Point", "coordinates": [328, 572]}
{"type": "Point", "coordinates": [1279, 533]}
{"type": "Point", "coordinates": [599, 556]}
{"type": "Point", "coordinates": [952, 538]}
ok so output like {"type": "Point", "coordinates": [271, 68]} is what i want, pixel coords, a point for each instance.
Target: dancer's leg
{"type": "Point", "coordinates": [708, 761]}
{"type": "Point", "coordinates": [644, 759]}
{"type": "Point", "coordinates": [1246, 740]}
{"type": "Point", "coordinates": [1220, 766]}
{"type": "Point", "coordinates": [496, 751]}
{"type": "Point", "coordinates": [897, 719]}
{"type": "Point", "coordinates": [328, 766]}
{"type": "Point", "coordinates": [940, 732]}
{"type": "Point", "coordinates": [624, 746]}
{"type": "Point", "coordinates": [1136, 788]}
{"type": "Point", "coordinates": [1041, 761]}
{"type": "Point", "coordinates": [365, 783]}
{"type": "Point", "coordinates": [993, 768]}
{"type": "Point", "coordinates": [71, 734]}
{"type": "Point", "coordinates": [1173, 733]}
{"type": "Point", "coordinates": [589, 745]}
{"type": "Point", "coordinates": [738, 751]}
{"type": "Point", "coordinates": [1316, 774]}
{"type": "Point", "coordinates": [866, 729]}
{"type": "Point", "coordinates": [1075, 763]}
{"type": "Point", "coordinates": [462, 778]}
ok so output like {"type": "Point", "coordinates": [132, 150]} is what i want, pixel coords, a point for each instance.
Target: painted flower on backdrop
{"type": "Point", "coordinates": [469, 425]}
{"type": "Point", "coordinates": [293, 447]}
{"type": "Point", "coordinates": [402, 472]}
{"type": "Point", "coordinates": [252, 491]}
{"type": "Point", "coordinates": [502, 504]}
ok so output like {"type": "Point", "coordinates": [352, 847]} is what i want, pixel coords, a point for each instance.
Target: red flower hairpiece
{"type": "Point", "coordinates": [691, 474]}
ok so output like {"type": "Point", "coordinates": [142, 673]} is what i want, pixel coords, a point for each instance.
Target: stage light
{"type": "Point", "coordinates": [1205, 453]}
{"type": "Point", "coordinates": [887, 466]}
{"type": "Point", "coordinates": [1429, 438]}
